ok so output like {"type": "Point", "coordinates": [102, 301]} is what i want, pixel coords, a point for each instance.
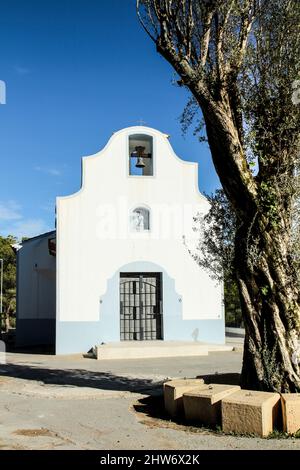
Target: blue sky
{"type": "Point", "coordinates": [76, 71]}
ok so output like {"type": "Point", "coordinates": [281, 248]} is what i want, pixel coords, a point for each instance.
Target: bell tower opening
{"type": "Point", "coordinates": [140, 155]}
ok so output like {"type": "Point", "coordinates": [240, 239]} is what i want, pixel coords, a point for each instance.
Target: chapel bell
{"type": "Point", "coordinates": [140, 153]}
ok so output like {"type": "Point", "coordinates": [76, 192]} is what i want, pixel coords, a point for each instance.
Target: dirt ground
{"type": "Point", "coordinates": [71, 402]}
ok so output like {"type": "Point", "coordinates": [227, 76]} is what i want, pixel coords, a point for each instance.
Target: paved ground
{"type": "Point", "coordinates": [50, 402]}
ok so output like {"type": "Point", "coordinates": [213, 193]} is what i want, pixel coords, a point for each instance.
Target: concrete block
{"type": "Point", "coordinates": [204, 406]}
{"type": "Point", "coordinates": [291, 412]}
{"type": "Point", "coordinates": [173, 392]}
{"type": "Point", "coordinates": [250, 412]}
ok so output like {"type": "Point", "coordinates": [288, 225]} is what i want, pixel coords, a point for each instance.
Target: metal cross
{"type": "Point", "coordinates": [141, 122]}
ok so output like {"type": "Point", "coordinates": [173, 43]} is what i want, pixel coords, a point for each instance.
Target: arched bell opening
{"type": "Point", "coordinates": [140, 155]}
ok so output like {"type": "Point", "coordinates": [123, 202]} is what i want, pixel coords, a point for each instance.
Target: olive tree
{"type": "Point", "coordinates": [239, 60]}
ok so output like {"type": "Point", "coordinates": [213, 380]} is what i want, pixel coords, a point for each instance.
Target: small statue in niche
{"type": "Point", "coordinates": [138, 221]}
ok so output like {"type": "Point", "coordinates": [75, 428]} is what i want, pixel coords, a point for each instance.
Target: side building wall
{"type": "Point", "coordinates": [36, 293]}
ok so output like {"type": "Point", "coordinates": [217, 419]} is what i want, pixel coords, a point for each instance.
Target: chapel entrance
{"type": "Point", "coordinates": [140, 306]}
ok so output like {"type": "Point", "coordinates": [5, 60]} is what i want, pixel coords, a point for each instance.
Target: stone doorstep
{"type": "Point", "coordinates": [173, 391]}
{"type": "Point", "coordinates": [290, 403]}
{"type": "Point", "coordinates": [204, 405]}
{"type": "Point", "coordinates": [251, 412]}
{"type": "Point", "coordinates": [157, 348]}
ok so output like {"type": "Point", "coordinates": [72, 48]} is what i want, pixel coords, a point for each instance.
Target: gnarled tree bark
{"type": "Point", "coordinates": [206, 43]}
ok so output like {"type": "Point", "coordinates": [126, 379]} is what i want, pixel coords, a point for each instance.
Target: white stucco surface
{"type": "Point", "coordinates": [94, 238]}
{"type": "Point", "coordinates": [36, 280]}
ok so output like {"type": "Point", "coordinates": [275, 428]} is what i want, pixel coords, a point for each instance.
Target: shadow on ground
{"type": "Point", "coordinates": [81, 378]}
{"type": "Point", "coordinates": [228, 378]}
{"type": "Point", "coordinates": [98, 380]}
{"type": "Point", "coordinates": [152, 406]}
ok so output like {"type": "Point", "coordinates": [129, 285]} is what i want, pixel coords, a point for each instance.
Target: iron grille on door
{"type": "Point", "coordinates": [140, 306]}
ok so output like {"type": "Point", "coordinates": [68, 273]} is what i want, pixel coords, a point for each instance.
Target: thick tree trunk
{"type": "Point", "coordinates": [197, 42]}
{"type": "Point", "coordinates": [268, 288]}
{"type": "Point", "coordinates": [270, 303]}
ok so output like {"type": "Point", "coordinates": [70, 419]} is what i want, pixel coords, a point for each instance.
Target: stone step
{"type": "Point", "coordinates": [152, 349]}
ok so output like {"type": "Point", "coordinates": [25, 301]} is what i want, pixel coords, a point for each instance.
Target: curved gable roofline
{"type": "Point", "coordinates": [127, 131]}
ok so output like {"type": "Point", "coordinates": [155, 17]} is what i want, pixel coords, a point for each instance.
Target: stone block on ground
{"type": "Point", "coordinates": [204, 406]}
{"type": "Point", "coordinates": [173, 391]}
{"type": "Point", "coordinates": [251, 412]}
{"type": "Point", "coordinates": [291, 412]}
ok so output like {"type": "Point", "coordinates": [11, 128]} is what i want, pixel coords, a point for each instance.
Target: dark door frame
{"type": "Point", "coordinates": [139, 315]}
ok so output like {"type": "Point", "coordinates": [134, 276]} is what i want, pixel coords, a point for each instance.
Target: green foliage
{"type": "Point", "coordinates": [233, 311]}
{"type": "Point", "coordinates": [216, 230]}
{"type": "Point", "coordinates": [269, 203]}
{"type": "Point", "coordinates": [264, 290]}
{"type": "Point", "coordinates": [269, 360]}
{"type": "Point", "coordinates": [276, 434]}
{"type": "Point", "coordinates": [9, 277]}
{"type": "Point", "coordinates": [260, 86]}
{"type": "Point", "coordinates": [271, 65]}
{"type": "Point", "coordinates": [215, 251]}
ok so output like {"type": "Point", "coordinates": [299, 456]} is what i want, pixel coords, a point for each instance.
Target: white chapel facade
{"type": "Point", "coordinates": [119, 266]}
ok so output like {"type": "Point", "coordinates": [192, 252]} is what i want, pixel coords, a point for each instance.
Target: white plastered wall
{"type": "Point", "coordinates": [36, 280]}
{"type": "Point", "coordinates": [93, 229]}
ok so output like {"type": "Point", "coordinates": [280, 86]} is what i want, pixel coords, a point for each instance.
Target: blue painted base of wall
{"type": "Point", "coordinates": [35, 332]}
{"type": "Point", "coordinates": [80, 337]}
{"type": "Point", "coordinates": [77, 337]}
{"type": "Point", "coordinates": [206, 331]}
